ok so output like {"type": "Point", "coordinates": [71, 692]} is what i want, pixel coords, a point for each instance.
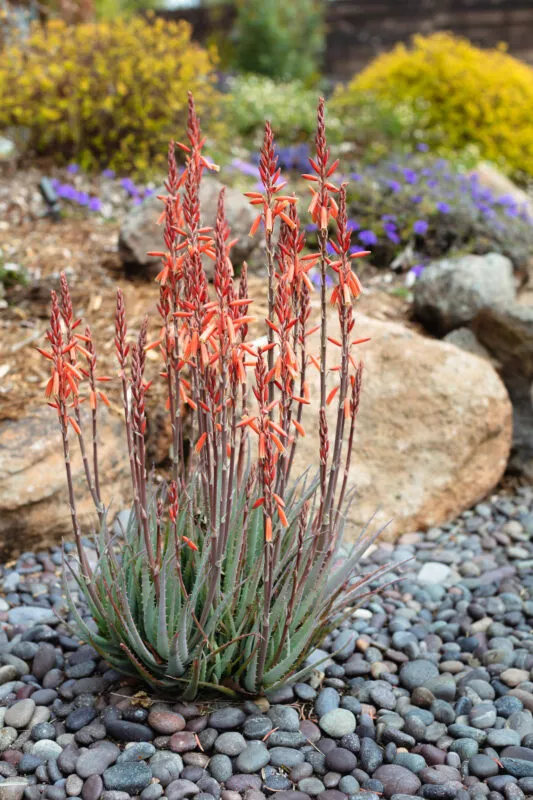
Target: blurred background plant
{"type": "Point", "coordinates": [454, 96]}
{"type": "Point", "coordinates": [282, 40]}
{"type": "Point", "coordinates": [108, 93]}
{"type": "Point", "coordinates": [290, 107]}
{"type": "Point", "coordinates": [417, 208]}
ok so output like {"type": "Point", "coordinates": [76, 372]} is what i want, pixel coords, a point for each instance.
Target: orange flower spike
{"type": "Point", "coordinates": [331, 395]}
{"type": "Point", "coordinates": [74, 425]}
{"type": "Point", "coordinates": [201, 442]}
{"type": "Point", "coordinates": [298, 427]}
{"type": "Point", "coordinates": [277, 442]}
{"type": "Point", "coordinates": [190, 544]}
{"type": "Point", "coordinates": [268, 529]}
{"type": "Point", "coordinates": [255, 225]}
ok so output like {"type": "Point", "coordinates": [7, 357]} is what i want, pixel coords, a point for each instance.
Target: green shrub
{"type": "Point", "coordinates": [106, 94]}
{"type": "Point", "coordinates": [281, 39]}
{"type": "Point", "coordinates": [290, 107]}
{"type": "Point", "coordinates": [454, 96]}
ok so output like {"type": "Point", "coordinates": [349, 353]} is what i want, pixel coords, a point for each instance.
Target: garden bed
{"type": "Point", "coordinates": [426, 690]}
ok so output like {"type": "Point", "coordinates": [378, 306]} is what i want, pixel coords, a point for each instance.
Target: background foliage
{"type": "Point", "coordinates": [279, 39]}
{"type": "Point", "coordinates": [426, 206]}
{"type": "Point", "coordinates": [107, 93]}
{"type": "Point", "coordinates": [454, 95]}
{"type": "Point", "coordinates": [290, 107]}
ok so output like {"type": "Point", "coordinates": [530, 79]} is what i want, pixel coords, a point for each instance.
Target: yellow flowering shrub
{"type": "Point", "coordinates": [106, 94]}
{"type": "Point", "coordinates": [461, 96]}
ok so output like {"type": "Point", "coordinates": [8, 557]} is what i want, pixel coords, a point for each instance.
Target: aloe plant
{"type": "Point", "coordinates": [227, 574]}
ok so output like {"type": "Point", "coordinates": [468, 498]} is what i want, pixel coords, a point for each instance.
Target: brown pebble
{"type": "Point", "coordinates": [196, 760]}
{"type": "Point", "coordinates": [422, 697]}
{"type": "Point", "coordinates": [525, 697]}
{"type": "Point", "coordinates": [196, 725]}
{"type": "Point", "coordinates": [166, 722]}
{"type": "Point", "coordinates": [182, 741]}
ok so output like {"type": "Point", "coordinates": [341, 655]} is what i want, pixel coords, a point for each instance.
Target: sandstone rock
{"type": "Point", "coordinates": [507, 333]}
{"type": "Point", "coordinates": [140, 233]}
{"type": "Point", "coordinates": [433, 433]}
{"type": "Point", "coordinates": [501, 186]}
{"type": "Point", "coordinates": [34, 508]}
{"type": "Point", "coordinates": [450, 292]}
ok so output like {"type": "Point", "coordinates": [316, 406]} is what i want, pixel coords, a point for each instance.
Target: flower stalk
{"type": "Point", "coordinates": [228, 571]}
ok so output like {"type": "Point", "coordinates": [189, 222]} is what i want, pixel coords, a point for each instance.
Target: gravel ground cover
{"type": "Point", "coordinates": [426, 690]}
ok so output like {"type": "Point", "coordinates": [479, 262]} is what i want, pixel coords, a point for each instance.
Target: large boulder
{"type": "Point", "coordinates": [506, 331]}
{"type": "Point", "coordinates": [140, 233]}
{"type": "Point", "coordinates": [450, 292]}
{"type": "Point", "coordinates": [34, 508]}
{"type": "Point", "coordinates": [433, 433]}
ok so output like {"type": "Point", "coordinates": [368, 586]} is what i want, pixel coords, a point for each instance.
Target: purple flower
{"type": "Point", "coordinates": [391, 232]}
{"type": "Point", "coordinates": [330, 249]}
{"type": "Point", "coordinates": [317, 279]}
{"type": "Point", "coordinates": [368, 237]}
{"type": "Point", "coordinates": [148, 192]}
{"type": "Point", "coordinates": [129, 186]}
{"type": "Point", "coordinates": [246, 167]}
{"type": "Point", "coordinates": [352, 225]}
{"type": "Point", "coordinates": [356, 176]}
{"type": "Point", "coordinates": [311, 227]}
{"type": "Point", "coordinates": [95, 204]}
{"type": "Point", "coordinates": [137, 201]}
{"type": "Point", "coordinates": [108, 173]}
{"type": "Point", "coordinates": [444, 208]}
{"type": "Point", "coordinates": [73, 168]}
{"type": "Point", "coordinates": [422, 147]}
{"type": "Point", "coordinates": [416, 198]}
{"type": "Point", "coordinates": [410, 175]}
{"type": "Point", "coordinates": [66, 191]}
{"type": "Point", "coordinates": [395, 186]}
{"type": "Point", "coordinates": [432, 183]}
{"type": "Point", "coordinates": [417, 270]}
{"type": "Point", "coordinates": [83, 198]}
{"type": "Point", "coordinates": [420, 227]}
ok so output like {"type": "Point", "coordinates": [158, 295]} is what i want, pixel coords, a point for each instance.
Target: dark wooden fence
{"type": "Point", "coordinates": [359, 29]}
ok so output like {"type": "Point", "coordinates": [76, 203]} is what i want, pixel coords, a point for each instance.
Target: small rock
{"type": "Point", "coordinates": [337, 723]}
{"type": "Point", "coordinates": [433, 572]}
{"type": "Point", "coordinates": [226, 719]}
{"type": "Point", "coordinates": [13, 788]}
{"type": "Point", "coordinates": [97, 759]}
{"type": "Point", "coordinates": [20, 714]}
{"type": "Point", "coordinates": [131, 777]}
{"type": "Point", "coordinates": [166, 722]}
{"type": "Point", "coordinates": [415, 673]}
{"type": "Point", "coordinates": [254, 757]}
{"type": "Point", "coordinates": [230, 743]}
{"type": "Point", "coordinates": [125, 731]}
{"type": "Point", "coordinates": [397, 780]}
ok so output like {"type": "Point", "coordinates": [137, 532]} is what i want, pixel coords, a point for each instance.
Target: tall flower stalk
{"type": "Point", "coordinates": [228, 573]}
